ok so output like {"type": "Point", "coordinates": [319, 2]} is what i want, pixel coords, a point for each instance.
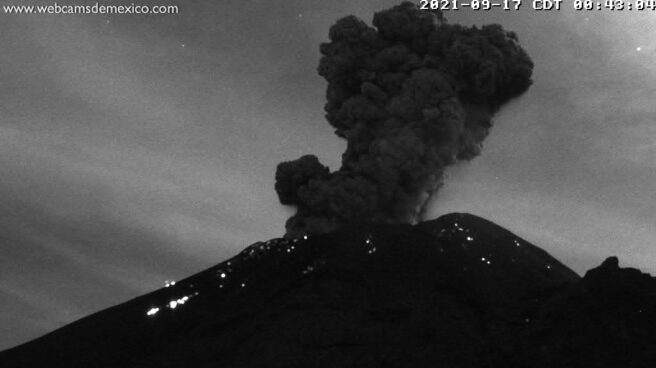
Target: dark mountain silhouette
{"type": "Point", "coordinates": [458, 291]}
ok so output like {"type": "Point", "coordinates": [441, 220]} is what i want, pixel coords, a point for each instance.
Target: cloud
{"type": "Point", "coordinates": [411, 96]}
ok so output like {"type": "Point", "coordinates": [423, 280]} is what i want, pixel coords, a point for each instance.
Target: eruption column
{"type": "Point", "coordinates": [411, 96]}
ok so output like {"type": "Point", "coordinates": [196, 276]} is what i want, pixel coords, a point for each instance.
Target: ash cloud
{"type": "Point", "coordinates": [411, 96]}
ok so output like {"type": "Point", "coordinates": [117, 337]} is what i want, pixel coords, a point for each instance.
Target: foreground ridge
{"type": "Point", "coordinates": [458, 291]}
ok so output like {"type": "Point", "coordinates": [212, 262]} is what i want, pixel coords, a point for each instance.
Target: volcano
{"type": "Point", "coordinates": [458, 291]}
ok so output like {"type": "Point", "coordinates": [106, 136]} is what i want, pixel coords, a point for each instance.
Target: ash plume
{"type": "Point", "coordinates": [411, 96]}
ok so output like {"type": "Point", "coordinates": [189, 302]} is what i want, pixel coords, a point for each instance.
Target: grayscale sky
{"type": "Point", "coordinates": [139, 149]}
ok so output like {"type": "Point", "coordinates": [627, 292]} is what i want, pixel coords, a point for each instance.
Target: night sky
{"type": "Point", "coordinates": [139, 149]}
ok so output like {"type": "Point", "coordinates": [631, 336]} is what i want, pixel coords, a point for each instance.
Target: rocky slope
{"type": "Point", "coordinates": [458, 291]}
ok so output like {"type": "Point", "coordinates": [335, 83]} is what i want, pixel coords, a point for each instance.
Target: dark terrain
{"type": "Point", "coordinates": [458, 291]}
